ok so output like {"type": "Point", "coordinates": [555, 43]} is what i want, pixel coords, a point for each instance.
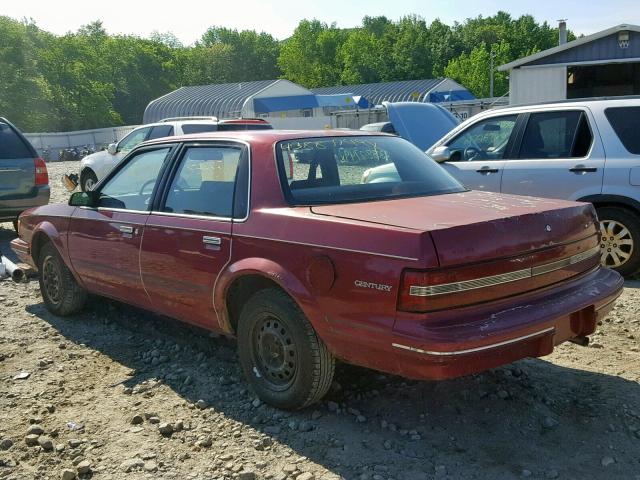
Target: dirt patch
{"type": "Point", "coordinates": [116, 392]}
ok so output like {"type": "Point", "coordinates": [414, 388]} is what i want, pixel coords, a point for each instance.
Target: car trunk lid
{"type": "Point", "coordinates": [474, 226]}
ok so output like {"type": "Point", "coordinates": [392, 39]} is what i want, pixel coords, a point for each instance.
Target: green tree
{"type": "Point", "coordinates": [472, 69]}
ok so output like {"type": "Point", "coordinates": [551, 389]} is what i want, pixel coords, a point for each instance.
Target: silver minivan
{"type": "Point", "coordinates": [24, 181]}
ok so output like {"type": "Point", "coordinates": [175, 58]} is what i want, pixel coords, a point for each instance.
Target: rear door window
{"type": "Point", "coordinates": [556, 135]}
{"type": "Point", "coordinates": [160, 131]}
{"type": "Point", "coordinates": [624, 121]}
{"type": "Point", "coordinates": [11, 145]}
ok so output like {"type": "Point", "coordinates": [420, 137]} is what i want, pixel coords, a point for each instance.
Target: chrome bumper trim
{"type": "Point", "coordinates": [476, 349]}
{"type": "Point", "coordinates": [490, 281]}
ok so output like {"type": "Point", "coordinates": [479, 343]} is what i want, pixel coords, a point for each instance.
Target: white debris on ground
{"type": "Point", "coordinates": [118, 393]}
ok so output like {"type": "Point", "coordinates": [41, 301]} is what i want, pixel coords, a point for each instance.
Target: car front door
{"type": "Point", "coordinates": [187, 239]}
{"type": "Point", "coordinates": [104, 242]}
{"type": "Point", "coordinates": [559, 155]}
{"type": "Point", "coordinates": [478, 153]}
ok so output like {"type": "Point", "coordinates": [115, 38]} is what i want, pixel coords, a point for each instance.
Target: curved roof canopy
{"type": "Point", "coordinates": [223, 100]}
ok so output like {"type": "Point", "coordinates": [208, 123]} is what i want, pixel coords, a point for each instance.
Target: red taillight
{"type": "Point", "coordinates": [42, 177]}
{"type": "Point", "coordinates": [429, 290]}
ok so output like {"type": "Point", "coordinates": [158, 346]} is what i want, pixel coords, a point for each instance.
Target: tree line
{"type": "Point", "coordinates": [90, 79]}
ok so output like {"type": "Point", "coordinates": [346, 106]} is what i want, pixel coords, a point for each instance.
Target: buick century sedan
{"type": "Point", "coordinates": [305, 264]}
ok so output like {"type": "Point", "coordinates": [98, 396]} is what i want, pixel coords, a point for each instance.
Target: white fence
{"type": "Point", "coordinates": [49, 144]}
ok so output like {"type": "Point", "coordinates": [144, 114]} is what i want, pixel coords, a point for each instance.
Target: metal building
{"type": "Point", "coordinates": [430, 90]}
{"type": "Point", "coordinates": [606, 63]}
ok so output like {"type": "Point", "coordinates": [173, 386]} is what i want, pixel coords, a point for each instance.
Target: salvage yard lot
{"type": "Point", "coordinates": [134, 395]}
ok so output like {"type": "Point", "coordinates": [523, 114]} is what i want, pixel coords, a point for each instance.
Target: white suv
{"type": "Point", "coordinates": [96, 166]}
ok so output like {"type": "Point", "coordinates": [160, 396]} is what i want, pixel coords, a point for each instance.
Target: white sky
{"type": "Point", "coordinates": [190, 18]}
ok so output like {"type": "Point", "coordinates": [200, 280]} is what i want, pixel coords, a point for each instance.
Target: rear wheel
{"type": "Point", "coordinates": [89, 180]}
{"type": "Point", "coordinates": [283, 358]}
{"type": "Point", "coordinates": [620, 247]}
{"type": "Point", "coordinates": [61, 293]}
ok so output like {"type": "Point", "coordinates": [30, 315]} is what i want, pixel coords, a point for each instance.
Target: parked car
{"type": "Point", "coordinates": [94, 167]}
{"type": "Point", "coordinates": [24, 181]}
{"type": "Point", "coordinates": [302, 262]}
{"type": "Point", "coordinates": [586, 150]}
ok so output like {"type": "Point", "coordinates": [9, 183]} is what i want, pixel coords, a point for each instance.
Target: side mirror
{"type": "Point", "coordinates": [112, 148]}
{"type": "Point", "coordinates": [82, 199]}
{"type": "Point", "coordinates": [441, 154]}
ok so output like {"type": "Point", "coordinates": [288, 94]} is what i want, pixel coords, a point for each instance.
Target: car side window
{"type": "Point", "coordinates": [134, 138]}
{"type": "Point", "coordinates": [205, 181]}
{"type": "Point", "coordinates": [485, 140]}
{"type": "Point", "coordinates": [624, 121]}
{"type": "Point", "coordinates": [160, 131]}
{"type": "Point", "coordinates": [564, 134]}
{"type": "Point", "coordinates": [132, 186]}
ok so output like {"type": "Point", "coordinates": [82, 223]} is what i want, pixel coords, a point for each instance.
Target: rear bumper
{"type": "Point", "coordinates": [11, 208]}
{"type": "Point", "coordinates": [463, 341]}
{"type": "Point", "coordinates": [23, 251]}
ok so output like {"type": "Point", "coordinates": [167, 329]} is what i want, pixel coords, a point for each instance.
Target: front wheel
{"type": "Point", "coordinates": [89, 180]}
{"type": "Point", "coordinates": [61, 293]}
{"type": "Point", "coordinates": [284, 360]}
{"type": "Point", "coordinates": [620, 230]}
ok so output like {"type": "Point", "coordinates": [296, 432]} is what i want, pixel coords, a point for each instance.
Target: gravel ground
{"type": "Point", "coordinates": [119, 393]}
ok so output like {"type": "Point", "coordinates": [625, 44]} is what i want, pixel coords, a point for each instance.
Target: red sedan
{"type": "Point", "coordinates": [272, 237]}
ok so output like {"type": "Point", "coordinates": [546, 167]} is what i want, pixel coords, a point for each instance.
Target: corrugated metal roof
{"type": "Point", "coordinates": [612, 51]}
{"type": "Point", "coordinates": [223, 100]}
{"type": "Point", "coordinates": [376, 93]}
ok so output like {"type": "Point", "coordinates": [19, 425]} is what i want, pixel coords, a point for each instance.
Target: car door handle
{"type": "Point", "coordinates": [583, 169]}
{"type": "Point", "coordinates": [487, 170]}
{"type": "Point", "coordinates": [125, 229]}
{"type": "Point", "coordinates": [217, 241]}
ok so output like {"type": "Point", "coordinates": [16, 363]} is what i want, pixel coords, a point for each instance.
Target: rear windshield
{"type": "Point", "coordinates": [328, 170]}
{"type": "Point", "coordinates": [11, 145]}
{"type": "Point", "coordinates": [199, 128]}
{"type": "Point", "coordinates": [624, 121]}
{"type": "Point", "coordinates": [226, 127]}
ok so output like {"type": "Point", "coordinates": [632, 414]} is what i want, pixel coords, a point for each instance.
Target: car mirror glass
{"type": "Point", "coordinates": [82, 199]}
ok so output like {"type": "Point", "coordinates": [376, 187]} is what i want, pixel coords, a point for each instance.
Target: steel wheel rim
{"type": "Point", "coordinates": [51, 279]}
{"type": "Point", "coordinates": [616, 243]}
{"type": "Point", "coordinates": [276, 356]}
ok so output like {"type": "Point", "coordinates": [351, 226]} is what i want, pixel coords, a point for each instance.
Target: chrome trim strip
{"type": "Point", "coordinates": [473, 350]}
{"type": "Point", "coordinates": [327, 246]}
{"type": "Point", "coordinates": [490, 281]}
{"type": "Point", "coordinates": [195, 228]}
{"type": "Point", "coordinates": [198, 217]}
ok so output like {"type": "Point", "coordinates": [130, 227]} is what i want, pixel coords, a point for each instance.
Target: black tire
{"type": "Point", "coordinates": [613, 220]}
{"type": "Point", "coordinates": [61, 293]}
{"type": "Point", "coordinates": [298, 369]}
{"type": "Point", "coordinates": [88, 180]}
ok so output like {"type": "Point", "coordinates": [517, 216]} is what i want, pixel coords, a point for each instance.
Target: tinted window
{"type": "Point", "coordinates": [198, 128]}
{"type": "Point", "coordinates": [205, 182]}
{"type": "Point", "coordinates": [556, 135]}
{"type": "Point", "coordinates": [624, 121]}
{"type": "Point", "coordinates": [485, 140]}
{"type": "Point", "coordinates": [133, 139]}
{"type": "Point", "coordinates": [160, 131]}
{"type": "Point", "coordinates": [334, 170]}
{"type": "Point", "coordinates": [132, 186]}
{"type": "Point", "coordinates": [11, 145]}
{"type": "Point", "coordinates": [225, 127]}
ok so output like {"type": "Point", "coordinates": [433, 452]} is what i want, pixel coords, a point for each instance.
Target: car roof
{"type": "Point", "coordinates": [265, 136]}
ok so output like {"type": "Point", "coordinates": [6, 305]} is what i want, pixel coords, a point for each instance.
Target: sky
{"type": "Point", "coordinates": [190, 18]}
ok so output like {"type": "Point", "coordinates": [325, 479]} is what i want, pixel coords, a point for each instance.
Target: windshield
{"type": "Point", "coordinates": [351, 169]}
